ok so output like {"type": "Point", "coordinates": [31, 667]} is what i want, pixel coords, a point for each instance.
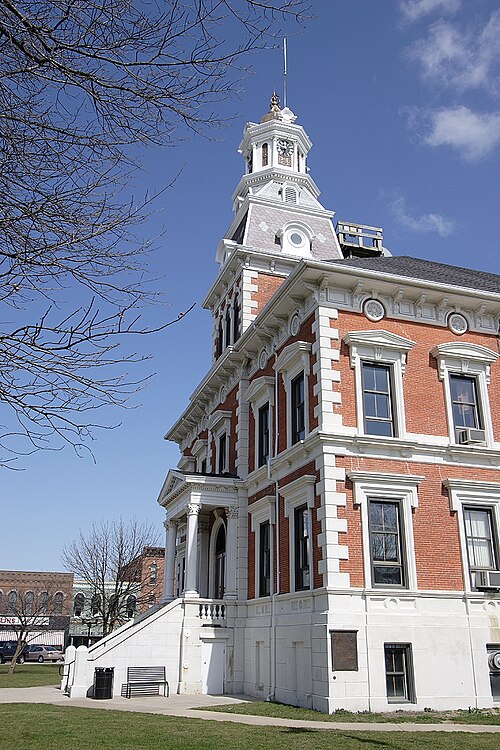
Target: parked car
{"type": "Point", "coordinates": [8, 649]}
{"type": "Point", "coordinates": [40, 653]}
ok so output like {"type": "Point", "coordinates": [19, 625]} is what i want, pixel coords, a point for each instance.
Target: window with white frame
{"type": "Point", "coordinates": [260, 395]}
{"type": "Point", "coordinates": [299, 497]}
{"type": "Point", "coordinates": [262, 514]}
{"type": "Point", "coordinates": [378, 359]}
{"type": "Point", "coordinates": [386, 502]}
{"type": "Point", "coordinates": [386, 542]}
{"type": "Point", "coordinates": [477, 505]}
{"type": "Point", "coordinates": [220, 426]}
{"type": "Point", "coordinates": [465, 369]}
{"type": "Point", "coordinates": [294, 365]}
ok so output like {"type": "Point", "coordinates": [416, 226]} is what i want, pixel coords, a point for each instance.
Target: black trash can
{"type": "Point", "coordinates": [103, 682]}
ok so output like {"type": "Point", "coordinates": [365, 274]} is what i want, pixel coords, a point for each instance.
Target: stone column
{"type": "Point", "coordinates": [191, 590]}
{"type": "Point", "coordinates": [231, 543]}
{"type": "Point", "coordinates": [168, 582]}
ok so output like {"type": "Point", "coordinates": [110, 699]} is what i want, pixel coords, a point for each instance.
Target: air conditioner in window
{"type": "Point", "coordinates": [494, 661]}
{"type": "Point", "coordinates": [470, 435]}
{"type": "Point", "coordinates": [488, 579]}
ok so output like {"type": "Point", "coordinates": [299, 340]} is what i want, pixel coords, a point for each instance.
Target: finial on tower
{"type": "Point", "coordinates": [274, 109]}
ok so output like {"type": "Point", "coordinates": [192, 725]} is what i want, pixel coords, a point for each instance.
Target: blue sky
{"type": "Point", "coordinates": [401, 99]}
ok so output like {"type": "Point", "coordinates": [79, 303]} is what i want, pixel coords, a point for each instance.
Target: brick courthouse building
{"type": "Point", "coordinates": [333, 523]}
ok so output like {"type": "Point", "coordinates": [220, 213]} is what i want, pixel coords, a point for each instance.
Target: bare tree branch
{"type": "Point", "coordinates": [84, 86]}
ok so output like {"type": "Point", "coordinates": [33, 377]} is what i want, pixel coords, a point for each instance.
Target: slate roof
{"type": "Point", "coordinates": [427, 270]}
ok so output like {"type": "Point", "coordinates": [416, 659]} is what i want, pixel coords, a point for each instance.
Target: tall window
{"type": "Point", "coordinates": [480, 540]}
{"type": "Point", "coordinates": [29, 602]}
{"type": "Point", "coordinates": [228, 326]}
{"type": "Point", "coordinates": [378, 406]}
{"type": "Point", "coordinates": [221, 458]}
{"type": "Point", "coordinates": [399, 673]}
{"type": "Point", "coordinates": [236, 318]}
{"type": "Point", "coordinates": [44, 602]}
{"type": "Point", "coordinates": [298, 409]}
{"type": "Point", "coordinates": [265, 154]}
{"type": "Point", "coordinates": [12, 602]}
{"type": "Point", "coordinates": [131, 605]}
{"type": "Point", "coordinates": [78, 605]}
{"type": "Point", "coordinates": [464, 402]}
{"type": "Point", "coordinates": [220, 336]}
{"type": "Point", "coordinates": [265, 559]}
{"type": "Point", "coordinates": [153, 572]}
{"type": "Point", "coordinates": [386, 544]}
{"type": "Point", "coordinates": [301, 532]}
{"type": "Point", "coordinates": [95, 604]}
{"type": "Point", "coordinates": [263, 439]}
{"type": "Point", "coordinates": [58, 603]}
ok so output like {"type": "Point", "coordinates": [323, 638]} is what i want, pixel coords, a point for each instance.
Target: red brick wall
{"type": "Point", "coordinates": [266, 284]}
{"type": "Point", "coordinates": [435, 527]}
{"type": "Point", "coordinates": [423, 391]}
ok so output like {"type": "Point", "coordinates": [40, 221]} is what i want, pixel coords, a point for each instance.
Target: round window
{"type": "Point", "coordinates": [296, 239]}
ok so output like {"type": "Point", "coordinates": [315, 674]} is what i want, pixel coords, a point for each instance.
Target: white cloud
{"type": "Point", "coordinates": [430, 222]}
{"type": "Point", "coordinates": [473, 135]}
{"type": "Point", "coordinates": [412, 10]}
{"type": "Point", "coordinates": [460, 59]}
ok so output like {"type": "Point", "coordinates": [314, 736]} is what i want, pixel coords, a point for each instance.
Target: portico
{"type": "Point", "coordinates": [201, 535]}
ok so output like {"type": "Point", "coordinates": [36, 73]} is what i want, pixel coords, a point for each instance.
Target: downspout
{"type": "Point", "coordinates": [276, 547]}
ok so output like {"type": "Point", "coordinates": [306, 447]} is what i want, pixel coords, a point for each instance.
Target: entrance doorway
{"type": "Point", "coordinates": [213, 656]}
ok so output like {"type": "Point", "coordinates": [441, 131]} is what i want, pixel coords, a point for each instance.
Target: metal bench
{"type": "Point", "coordinates": [145, 681]}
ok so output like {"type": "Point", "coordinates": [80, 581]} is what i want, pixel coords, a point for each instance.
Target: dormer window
{"type": "Point", "coordinates": [296, 238]}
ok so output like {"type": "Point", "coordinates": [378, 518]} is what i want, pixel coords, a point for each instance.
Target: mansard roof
{"type": "Point", "coordinates": [427, 270]}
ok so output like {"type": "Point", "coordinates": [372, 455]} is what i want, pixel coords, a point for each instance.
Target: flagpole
{"type": "Point", "coordinates": [284, 71]}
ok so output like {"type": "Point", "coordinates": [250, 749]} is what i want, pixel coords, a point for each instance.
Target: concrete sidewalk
{"type": "Point", "coordinates": [191, 707]}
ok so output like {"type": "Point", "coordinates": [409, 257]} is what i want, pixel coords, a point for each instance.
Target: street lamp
{"type": "Point", "coordinates": [88, 622]}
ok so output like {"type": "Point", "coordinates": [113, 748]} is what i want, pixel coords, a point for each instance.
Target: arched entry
{"type": "Point", "coordinates": [220, 561]}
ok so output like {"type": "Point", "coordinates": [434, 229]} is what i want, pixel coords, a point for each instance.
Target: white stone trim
{"type": "Point", "coordinates": [327, 354]}
{"type": "Point", "coordinates": [242, 420]}
{"type": "Point", "coordinates": [395, 487]}
{"type": "Point", "coordinates": [385, 348]}
{"type": "Point", "coordinates": [470, 492]}
{"type": "Point", "coordinates": [200, 452]}
{"type": "Point", "coordinates": [294, 359]}
{"type": "Point", "coordinates": [331, 525]}
{"type": "Point", "coordinates": [473, 360]}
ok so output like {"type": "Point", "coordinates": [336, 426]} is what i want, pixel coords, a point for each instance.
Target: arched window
{"type": "Point", "coordinates": [78, 605]}
{"type": "Point", "coordinates": [44, 602]}
{"type": "Point", "coordinates": [58, 603]}
{"type": "Point", "coordinates": [95, 604]}
{"type": "Point", "coordinates": [29, 601]}
{"type": "Point", "coordinates": [265, 154]}
{"type": "Point", "coordinates": [228, 326]}
{"type": "Point", "coordinates": [12, 601]}
{"type": "Point", "coordinates": [236, 318]}
{"type": "Point", "coordinates": [131, 605]}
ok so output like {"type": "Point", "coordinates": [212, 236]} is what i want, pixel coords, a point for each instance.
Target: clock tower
{"type": "Point", "coordinates": [278, 220]}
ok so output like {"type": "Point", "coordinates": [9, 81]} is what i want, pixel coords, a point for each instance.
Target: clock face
{"type": "Point", "coordinates": [285, 148]}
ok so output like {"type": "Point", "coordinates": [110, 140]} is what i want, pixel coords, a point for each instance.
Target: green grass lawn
{"type": "Point", "coordinates": [281, 711]}
{"type": "Point", "coordinates": [29, 675]}
{"type": "Point", "coordinates": [39, 727]}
